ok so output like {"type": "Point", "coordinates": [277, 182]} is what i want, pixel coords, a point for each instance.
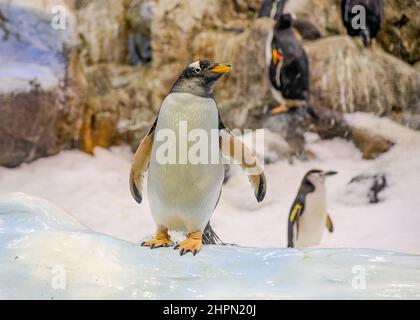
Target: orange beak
{"type": "Point", "coordinates": [221, 68]}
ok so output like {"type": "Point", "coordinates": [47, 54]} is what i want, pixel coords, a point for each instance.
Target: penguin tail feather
{"type": "Point", "coordinates": [210, 237]}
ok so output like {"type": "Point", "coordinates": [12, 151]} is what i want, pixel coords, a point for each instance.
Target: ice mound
{"type": "Point", "coordinates": [47, 254]}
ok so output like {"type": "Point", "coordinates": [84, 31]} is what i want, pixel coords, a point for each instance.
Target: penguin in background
{"type": "Point", "coordinates": [374, 15]}
{"type": "Point", "coordinates": [308, 215]}
{"type": "Point", "coordinates": [306, 29]}
{"type": "Point", "coordinates": [288, 66]}
{"type": "Point", "coordinates": [183, 195]}
{"type": "Point", "coordinates": [269, 8]}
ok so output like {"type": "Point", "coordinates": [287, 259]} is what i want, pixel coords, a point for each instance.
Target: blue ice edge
{"type": "Point", "coordinates": [47, 254]}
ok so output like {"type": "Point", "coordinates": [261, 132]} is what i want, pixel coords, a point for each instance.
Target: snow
{"type": "Point", "coordinates": [95, 190]}
{"type": "Point", "coordinates": [384, 127]}
{"type": "Point", "coordinates": [46, 254]}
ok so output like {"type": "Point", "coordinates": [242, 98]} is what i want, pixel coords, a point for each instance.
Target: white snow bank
{"type": "Point", "coordinates": [46, 254]}
{"type": "Point", "coordinates": [384, 127]}
{"type": "Point", "coordinates": [95, 190]}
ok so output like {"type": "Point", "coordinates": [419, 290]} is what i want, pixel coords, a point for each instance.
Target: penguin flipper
{"type": "Point", "coordinates": [235, 149]}
{"type": "Point", "coordinates": [329, 224]}
{"type": "Point", "coordinates": [140, 163]}
{"type": "Point", "coordinates": [293, 223]}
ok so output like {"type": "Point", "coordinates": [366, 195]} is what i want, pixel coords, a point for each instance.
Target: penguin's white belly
{"type": "Point", "coordinates": [183, 195]}
{"type": "Point", "coordinates": [312, 222]}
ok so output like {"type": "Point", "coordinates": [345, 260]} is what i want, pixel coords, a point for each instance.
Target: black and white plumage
{"type": "Point", "coordinates": [308, 215]}
{"type": "Point", "coordinates": [269, 8]}
{"type": "Point", "coordinates": [374, 14]}
{"type": "Point", "coordinates": [288, 64]}
{"type": "Point", "coordinates": [183, 195]}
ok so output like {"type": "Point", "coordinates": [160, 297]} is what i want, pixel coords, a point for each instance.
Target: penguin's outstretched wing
{"type": "Point", "coordinates": [140, 163]}
{"type": "Point", "coordinates": [236, 150]}
{"type": "Point", "coordinates": [293, 223]}
{"type": "Point", "coordinates": [329, 224]}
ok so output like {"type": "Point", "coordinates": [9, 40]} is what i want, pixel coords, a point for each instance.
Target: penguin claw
{"type": "Point", "coordinates": [185, 251]}
{"type": "Point", "coordinates": [157, 243]}
{"type": "Point", "coordinates": [192, 244]}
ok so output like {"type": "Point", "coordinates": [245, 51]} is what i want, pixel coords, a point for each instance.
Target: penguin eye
{"type": "Point", "coordinates": [197, 70]}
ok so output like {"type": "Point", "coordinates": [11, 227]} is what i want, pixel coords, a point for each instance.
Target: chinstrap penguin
{"type": "Point", "coordinates": [308, 215]}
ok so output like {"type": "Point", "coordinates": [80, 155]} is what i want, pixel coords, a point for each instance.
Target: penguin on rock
{"type": "Point", "coordinates": [288, 66]}
{"type": "Point", "coordinates": [184, 194]}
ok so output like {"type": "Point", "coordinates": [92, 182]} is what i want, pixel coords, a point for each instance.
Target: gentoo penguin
{"type": "Point", "coordinates": [308, 215]}
{"type": "Point", "coordinates": [183, 194]}
{"type": "Point", "coordinates": [288, 66]}
{"type": "Point", "coordinates": [351, 18]}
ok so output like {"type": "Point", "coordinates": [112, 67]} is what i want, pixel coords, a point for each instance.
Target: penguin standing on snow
{"type": "Point", "coordinates": [308, 215]}
{"type": "Point", "coordinates": [288, 66]}
{"type": "Point", "coordinates": [183, 195]}
{"type": "Point", "coordinates": [351, 18]}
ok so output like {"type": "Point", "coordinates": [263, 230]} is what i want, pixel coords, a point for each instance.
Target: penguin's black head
{"type": "Point", "coordinates": [284, 21]}
{"type": "Point", "coordinates": [317, 177]}
{"type": "Point", "coordinates": [199, 78]}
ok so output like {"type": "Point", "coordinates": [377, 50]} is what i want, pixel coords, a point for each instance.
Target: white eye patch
{"type": "Point", "coordinates": [196, 66]}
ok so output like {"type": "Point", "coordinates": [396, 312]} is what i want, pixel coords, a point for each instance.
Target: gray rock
{"type": "Point", "coordinates": [42, 89]}
{"type": "Point", "coordinates": [139, 15]}
{"type": "Point", "coordinates": [324, 15]}
{"type": "Point", "coordinates": [291, 126]}
{"type": "Point", "coordinates": [119, 108]}
{"type": "Point", "coordinates": [371, 184]}
{"type": "Point", "coordinates": [400, 30]}
{"type": "Point", "coordinates": [347, 77]}
{"type": "Point", "coordinates": [102, 30]}
{"type": "Point", "coordinates": [371, 145]}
